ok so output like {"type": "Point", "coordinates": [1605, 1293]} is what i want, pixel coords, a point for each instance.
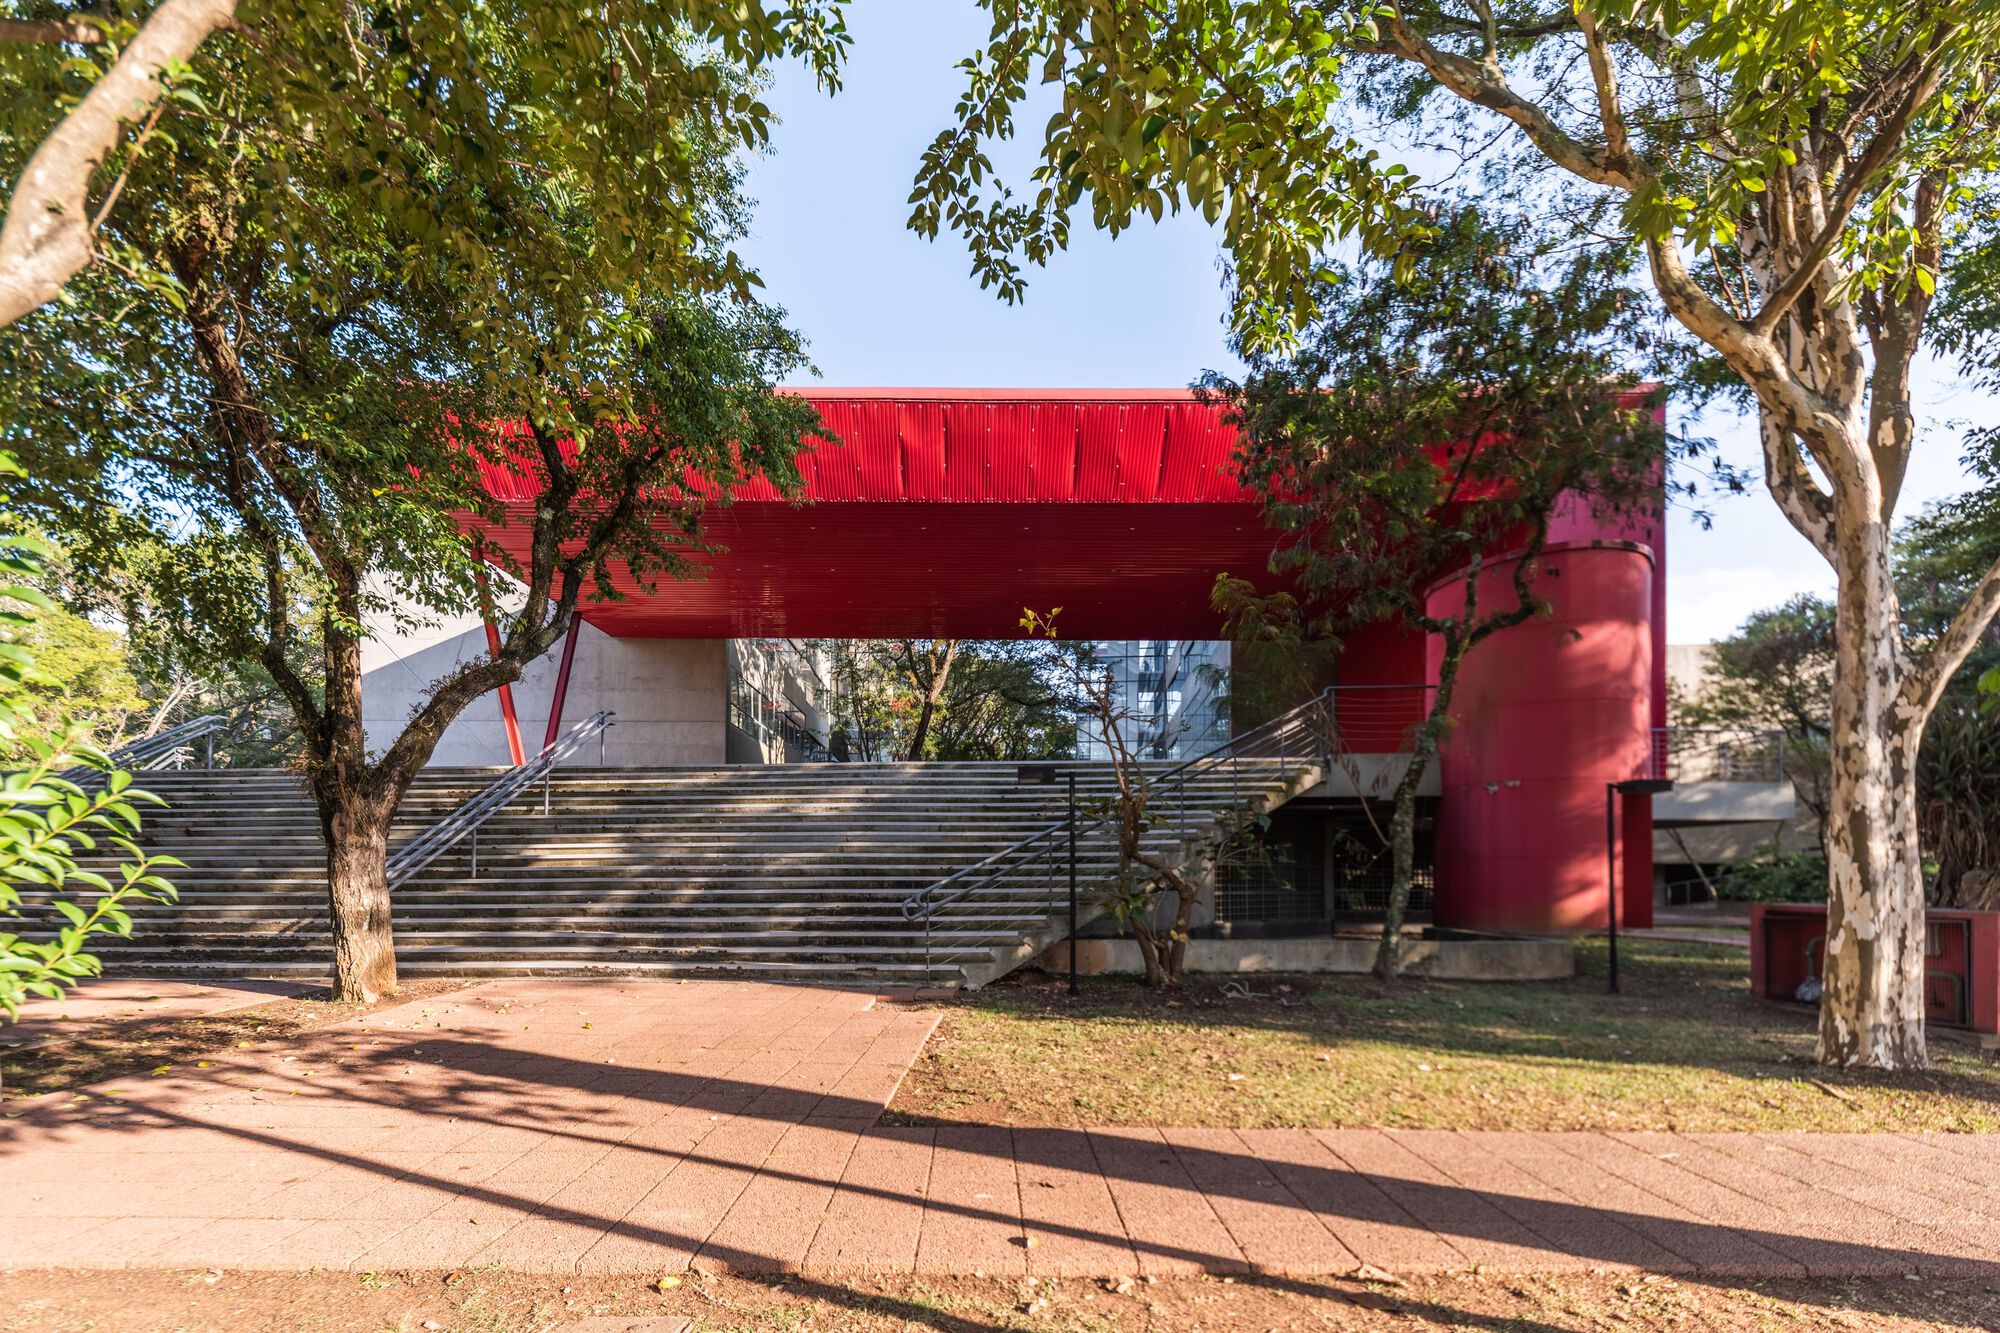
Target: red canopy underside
{"type": "Point", "coordinates": [944, 513]}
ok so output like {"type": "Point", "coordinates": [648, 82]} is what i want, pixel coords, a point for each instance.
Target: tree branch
{"type": "Point", "coordinates": [1604, 78]}
{"type": "Point", "coordinates": [46, 240]}
{"type": "Point", "coordinates": [1482, 86]}
{"type": "Point", "coordinates": [1854, 181]}
{"type": "Point", "coordinates": [1805, 505]}
{"type": "Point", "coordinates": [73, 32]}
{"type": "Point", "coordinates": [1926, 682]}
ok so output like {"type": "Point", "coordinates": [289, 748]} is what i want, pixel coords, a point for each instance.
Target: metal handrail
{"type": "Point", "coordinates": [1283, 738]}
{"type": "Point", "coordinates": [169, 748]}
{"type": "Point", "coordinates": [1719, 754]}
{"type": "Point", "coordinates": [448, 832]}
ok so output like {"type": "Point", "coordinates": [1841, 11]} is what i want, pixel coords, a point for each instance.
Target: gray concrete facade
{"type": "Point", "coordinates": [669, 694]}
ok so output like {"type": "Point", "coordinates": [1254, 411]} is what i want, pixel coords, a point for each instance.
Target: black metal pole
{"type": "Point", "coordinates": [1072, 883]}
{"type": "Point", "coordinates": [1611, 875]}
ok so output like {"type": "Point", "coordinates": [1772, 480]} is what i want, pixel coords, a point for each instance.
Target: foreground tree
{"type": "Point", "coordinates": [64, 802]}
{"type": "Point", "coordinates": [1798, 176]}
{"type": "Point", "coordinates": [369, 338]}
{"type": "Point", "coordinates": [1424, 425]}
{"type": "Point", "coordinates": [1154, 896]}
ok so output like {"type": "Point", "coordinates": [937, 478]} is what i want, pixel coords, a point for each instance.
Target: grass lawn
{"type": "Point", "coordinates": [1684, 1047]}
{"type": "Point", "coordinates": [496, 1301]}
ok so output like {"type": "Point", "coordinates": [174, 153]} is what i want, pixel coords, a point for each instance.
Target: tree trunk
{"type": "Point", "coordinates": [933, 694]}
{"type": "Point", "coordinates": [1872, 1007]}
{"type": "Point", "coordinates": [1403, 820]}
{"type": "Point", "coordinates": [357, 886]}
{"type": "Point", "coordinates": [1403, 865]}
{"type": "Point", "coordinates": [1149, 954]}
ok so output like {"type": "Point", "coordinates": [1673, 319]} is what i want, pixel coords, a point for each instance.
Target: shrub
{"type": "Point", "coordinates": [1958, 795]}
{"type": "Point", "coordinates": [1799, 877]}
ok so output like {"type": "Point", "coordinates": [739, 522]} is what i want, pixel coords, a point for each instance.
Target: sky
{"type": "Point", "coordinates": [884, 307]}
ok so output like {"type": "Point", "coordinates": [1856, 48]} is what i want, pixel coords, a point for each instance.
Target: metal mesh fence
{"type": "Point", "coordinates": [1317, 866]}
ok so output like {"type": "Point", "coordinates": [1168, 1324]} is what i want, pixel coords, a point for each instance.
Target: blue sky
{"type": "Point", "coordinates": [885, 307]}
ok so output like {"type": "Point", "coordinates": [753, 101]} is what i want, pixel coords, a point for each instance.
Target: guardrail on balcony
{"type": "Point", "coordinates": [1718, 754]}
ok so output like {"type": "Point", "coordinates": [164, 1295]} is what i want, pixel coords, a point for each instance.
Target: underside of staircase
{"type": "Point", "coordinates": [798, 870]}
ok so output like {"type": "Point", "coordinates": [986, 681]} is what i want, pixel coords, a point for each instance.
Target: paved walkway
{"type": "Point", "coordinates": [97, 1005]}
{"type": "Point", "coordinates": [647, 1127]}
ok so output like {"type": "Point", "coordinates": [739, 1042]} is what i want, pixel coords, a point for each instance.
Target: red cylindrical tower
{"type": "Point", "coordinates": [1546, 714]}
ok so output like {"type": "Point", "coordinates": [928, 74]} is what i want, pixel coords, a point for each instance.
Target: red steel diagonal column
{"type": "Point", "coordinates": [507, 712]}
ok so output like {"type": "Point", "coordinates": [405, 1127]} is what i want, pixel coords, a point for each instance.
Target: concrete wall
{"type": "Point", "coordinates": [1443, 960]}
{"type": "Point", "coordinates": [1690, 670]}
{"type": "Point", "coordinates": [669, 695]}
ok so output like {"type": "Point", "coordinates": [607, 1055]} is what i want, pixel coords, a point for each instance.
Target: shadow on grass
{"type": "Point", "coordinates": [1682, 1004]}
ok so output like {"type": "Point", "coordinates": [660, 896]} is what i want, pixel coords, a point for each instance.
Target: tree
{"type": "Point", "coordinates": [955, 699]}
{"type": "Point", "coordinates": [88, 678]}
{"type": "Point", "coordinates": [1799, 178]}
{"type": "Point", "coordinates": [925, 668]}
{"type": "Point", "coordinates": [1776, 673]}
{"type": "Point", "coordinates": [1422, 426]}
{"type": "Point", "coordinates": [1133, 810]}
{"type": "Point", "coordinates": [1941, 554]}
{"type": "Point", "coordinates": [407, 304]}
{"type": "Point", "coordinates": [52, 818]}
{"type": "Point", "coordinates": [1010, 699]}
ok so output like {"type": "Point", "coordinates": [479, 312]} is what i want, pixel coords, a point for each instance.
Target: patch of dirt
{"type": "Point", "coordinates": [124, 1047]}
{"type": "Point", "coordinates": [494, 1301]}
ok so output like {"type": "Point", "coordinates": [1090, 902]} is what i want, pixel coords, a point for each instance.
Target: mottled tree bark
{"type": "Point", "coordinates": [357, 887]}
{"type": "Point", "coordinates": [1872, 1009]}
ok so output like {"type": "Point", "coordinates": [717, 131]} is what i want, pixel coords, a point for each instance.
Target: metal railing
{"type": "Point", "coordinates": [1037, 865]}
{"type": "Point", "coordinates": [496, 796]}
{"type": "Point", "coordinates": [1718, 754]}
{"type": "Point", "coordinates": [783, 720]}
{"type": "Point", "coordinates": [172, 748]}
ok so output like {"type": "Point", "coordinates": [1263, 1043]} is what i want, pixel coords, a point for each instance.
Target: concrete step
{"type": "Point", "coordinates": [798, 871]}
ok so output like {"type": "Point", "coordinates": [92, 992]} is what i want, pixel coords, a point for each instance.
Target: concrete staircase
{"type": "Point", "coordinates": [787, 870]}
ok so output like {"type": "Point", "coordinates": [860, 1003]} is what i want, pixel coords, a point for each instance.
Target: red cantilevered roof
{"type": "Point", "coordinates": [945, 512]}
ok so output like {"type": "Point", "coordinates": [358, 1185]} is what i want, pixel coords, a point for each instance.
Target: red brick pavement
{"type": "Point", "coordinates": [642, 1127]}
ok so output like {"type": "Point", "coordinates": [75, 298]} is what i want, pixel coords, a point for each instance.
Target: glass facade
{"type": "Point", "coordinates": [780, 704]}
{"type": "Point", "coordinates": [1169, 695]}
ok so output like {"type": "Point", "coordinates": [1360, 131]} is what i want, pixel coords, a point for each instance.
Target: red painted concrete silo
{"type": "Point", "coordinates": [1547, 713]}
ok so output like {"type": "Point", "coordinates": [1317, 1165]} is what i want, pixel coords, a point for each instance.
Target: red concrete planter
{"type": "Point", "coordinates": [1961, 960]}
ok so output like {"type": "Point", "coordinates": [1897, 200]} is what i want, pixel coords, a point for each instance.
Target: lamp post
{"type": "Point", "coordinates": [1612, 791]}
{"type": "Point", "coordinates": [1041, 775]}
